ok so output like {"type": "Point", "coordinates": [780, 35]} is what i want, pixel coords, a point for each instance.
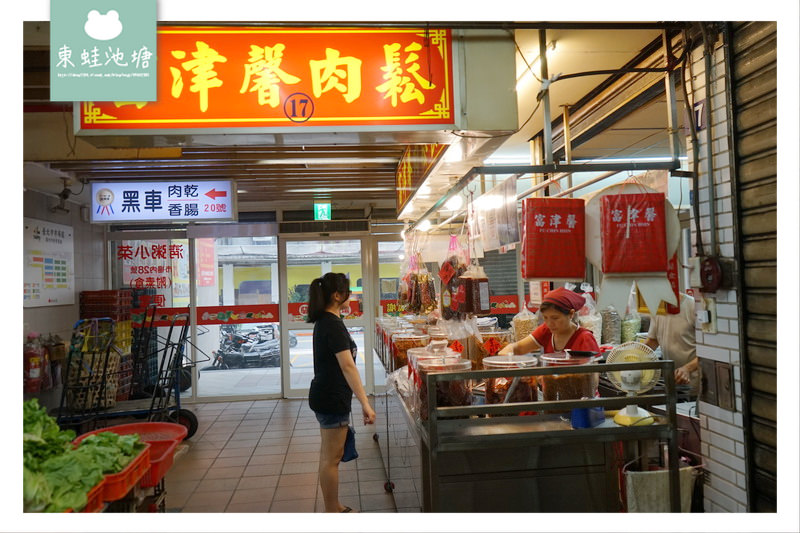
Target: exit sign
{"type": "Point", "coordinates": [322, 211]}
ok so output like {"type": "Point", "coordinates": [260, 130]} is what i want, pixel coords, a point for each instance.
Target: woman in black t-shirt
{"type": "Point", "coordinates": [335, 381]}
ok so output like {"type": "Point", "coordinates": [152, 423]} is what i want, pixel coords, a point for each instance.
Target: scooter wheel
{"type": "Point", "coordinates": [375, 437]}
{"type": "Point", "coordinates": [388, 486]}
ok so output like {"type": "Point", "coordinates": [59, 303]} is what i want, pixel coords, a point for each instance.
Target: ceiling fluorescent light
{"type": "Point", "coordinates": [326, 160]}
{"type": "Point", "coordinates": [507, 160]}
{"type": "Point", "coordinates": [454, 203]}
{"type": "Point", "coordinates": [343, 189]}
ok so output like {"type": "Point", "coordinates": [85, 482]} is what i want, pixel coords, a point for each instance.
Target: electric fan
{"type": "Point", "coordinates": [633, 382]}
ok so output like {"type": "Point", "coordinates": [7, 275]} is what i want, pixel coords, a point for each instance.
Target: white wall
{"type": "Point", "coordinates": [89, 261]}
{"type": "Point", "coordinates": [721, 430]}
{"type": "Point", "coordinates": [89, 276]}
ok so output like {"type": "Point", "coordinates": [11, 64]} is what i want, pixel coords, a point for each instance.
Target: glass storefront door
{"type": "Point", "coordinates": [237, 294]}
{"type": "Point", "coordinates": [303, 261]}
{"type": "Point", "coordinates": [248, 296]}
{"type": "Point", "coordinates": [234, 289]}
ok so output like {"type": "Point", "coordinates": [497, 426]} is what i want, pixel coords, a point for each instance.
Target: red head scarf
{"type": "Point", "coordinates": [565, 298]}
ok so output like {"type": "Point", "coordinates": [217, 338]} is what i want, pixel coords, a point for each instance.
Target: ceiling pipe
{"type": "Point", "coordinates": [587, 183]}
{"type": "Point", "coordinates": [539, 169]}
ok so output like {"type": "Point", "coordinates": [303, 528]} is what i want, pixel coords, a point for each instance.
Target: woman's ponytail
{"type": "Point", "coordinates": [321, 291]}
{"type": "Point", "coordinates": [316, 300]}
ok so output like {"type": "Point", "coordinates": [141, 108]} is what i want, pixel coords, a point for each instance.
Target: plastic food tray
{"type": "Point", "coordinates": [116, 486]}
{"type": "Point", "coordinates": [162, 454]}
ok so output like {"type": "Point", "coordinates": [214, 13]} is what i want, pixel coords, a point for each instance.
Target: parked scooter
{"type": "Point", "coordinates": [245, 351]}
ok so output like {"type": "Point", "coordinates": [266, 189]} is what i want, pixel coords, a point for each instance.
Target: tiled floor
{"type": "Point", "coordinates": [262, 456]}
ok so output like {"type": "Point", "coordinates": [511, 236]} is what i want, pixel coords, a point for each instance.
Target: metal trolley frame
{"type": "Point", "coordinates": [163, 404]}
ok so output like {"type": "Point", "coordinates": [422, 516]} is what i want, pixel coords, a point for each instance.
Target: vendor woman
{"type": "Point", "coordinates": [560, 330]}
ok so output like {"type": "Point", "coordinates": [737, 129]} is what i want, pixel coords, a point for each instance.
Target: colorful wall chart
{"type": "Point", "coordinates": [49, 269]}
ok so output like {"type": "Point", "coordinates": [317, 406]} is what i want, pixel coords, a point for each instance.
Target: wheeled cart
{"type": "Point", "coordinates": [92, 371]}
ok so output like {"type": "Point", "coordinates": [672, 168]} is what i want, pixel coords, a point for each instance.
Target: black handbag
{"type": "Point", "coordinates": [350, 452]}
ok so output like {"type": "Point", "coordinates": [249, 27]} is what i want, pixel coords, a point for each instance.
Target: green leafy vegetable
{"type": "Point", "coordinates": [41, 436]}
{"type": "Point", "coordinates": [58, 475]}
{"type": "Point", "coordinates": [36, 491]}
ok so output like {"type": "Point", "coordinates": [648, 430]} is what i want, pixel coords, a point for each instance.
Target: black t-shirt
{"type": "Point", "coordinates": [329, 392]}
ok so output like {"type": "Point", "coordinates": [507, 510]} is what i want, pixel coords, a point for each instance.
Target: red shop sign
{"type": "Point", "coordinates": [241, 78]}
{"type": "Point", "coordinates": [504, 305]}
{"type": "Point", "coordinates": [634, 233]}
{"type": "Point", "coordinates": [553, 238]}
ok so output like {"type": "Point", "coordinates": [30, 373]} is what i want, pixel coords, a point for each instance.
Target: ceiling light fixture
{"type": "Point", "coordinates": [534, 65]}
{"type": "Point", "coordinates": [327, 160]}
{"type": "Point", "coordinates": [454, 203]}
{"type": "Point", "coordinates": [343, 189]}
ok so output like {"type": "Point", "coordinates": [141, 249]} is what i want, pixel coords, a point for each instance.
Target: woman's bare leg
{"type": "Point", "coordinates": [330, 454]}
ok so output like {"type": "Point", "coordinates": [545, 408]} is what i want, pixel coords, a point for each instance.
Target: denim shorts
{"type": "Point", "coordinates": [333, 421]}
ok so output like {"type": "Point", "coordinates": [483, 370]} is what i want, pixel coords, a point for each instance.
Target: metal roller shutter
{"type": "Point", "coordinates": [753, 65]}
{"type": "Point", "coordinates": [502, 272]}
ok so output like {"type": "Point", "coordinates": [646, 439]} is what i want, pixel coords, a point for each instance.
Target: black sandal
{"type": "Point", "coordinates": [346, 510]}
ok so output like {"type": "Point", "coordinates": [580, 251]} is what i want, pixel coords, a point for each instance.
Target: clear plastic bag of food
{"type": "Point", "coordinates": [453, 267]}
{"type": "Point", "coordinates": [612, 326]}
{"type": "Point", "coordinates": [523, 324]}
{"type": "Point", "coordinates": [632, 322]}
{"type": "Point", "coordinates": [589, 318]}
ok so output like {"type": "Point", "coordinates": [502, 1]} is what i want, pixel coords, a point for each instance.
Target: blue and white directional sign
{"type": "Point", "coordinates": [174, 201]}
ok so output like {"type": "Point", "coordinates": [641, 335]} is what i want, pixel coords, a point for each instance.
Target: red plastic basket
{"type": "Point", "coordinates": [147, 431]}
{"type": "Point", "coordinates": [162, 454]}
{"type": "Point", "coordinates": [163, 438]}
{"type": "Point", "coordinates": [116, 486]}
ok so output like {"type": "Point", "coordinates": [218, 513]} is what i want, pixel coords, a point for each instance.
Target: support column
{"type": "Point", "coordinates": [228, 288]}
{"type": "Point", "coordinates": [274, 286]}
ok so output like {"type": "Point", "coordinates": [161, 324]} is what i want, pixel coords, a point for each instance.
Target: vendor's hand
{"type": "Point", "coordinates": [368, 413]}
{"type": "Point", "coordinates": [681, 375]}
{"type": "Point", "coordinates": [507, 350]}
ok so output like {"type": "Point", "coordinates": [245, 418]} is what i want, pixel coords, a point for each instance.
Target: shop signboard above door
{"type": "Point", "coordinates": [170, 201]}
{"type": "Point", "coordinates": [248, 79]}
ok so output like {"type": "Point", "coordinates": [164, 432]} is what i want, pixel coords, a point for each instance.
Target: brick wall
{"type": "Point", "coordinates": [721, 430]}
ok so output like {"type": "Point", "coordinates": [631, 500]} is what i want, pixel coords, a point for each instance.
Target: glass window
{"type": "Point", "coordinates": [238, 316]}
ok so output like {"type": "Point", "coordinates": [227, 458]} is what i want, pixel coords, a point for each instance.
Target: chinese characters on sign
{"type": "Point", "coordinates": [633, 235]}
{"type": "Point", "coordinates": [555, 223]}
{"type": "Point", "coordinates": [149, 264]}
{"type": "Point", "coordinates": [245, 77]}
{"type": "Point", "coordinates": [103, 52]}
{"type": "Point", "coordinates": [553, 238]}
{"type": "Point", "coordinates": [173, 201]}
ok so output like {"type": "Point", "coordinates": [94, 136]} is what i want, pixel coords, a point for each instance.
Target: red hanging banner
{"type": "Point", "coordinates": [634, 233]}
{"type": "Point", "coordinates": [554, 238]}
